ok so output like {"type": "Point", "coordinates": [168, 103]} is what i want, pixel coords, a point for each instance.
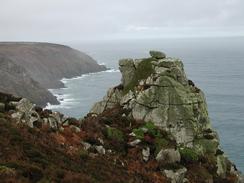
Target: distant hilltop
{"type": "Point", "coordinates": [28, 69]}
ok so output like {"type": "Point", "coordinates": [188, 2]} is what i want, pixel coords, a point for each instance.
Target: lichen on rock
{"type": "Point", "coordinates": [157, 90]}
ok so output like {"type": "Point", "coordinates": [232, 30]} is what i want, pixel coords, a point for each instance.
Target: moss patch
{"type": "Point", "coordinates": [151, 129]}
{"type": "Point", "coordinates": [159, 144]}
{"type": "Point", "coordinates": [115, 134]}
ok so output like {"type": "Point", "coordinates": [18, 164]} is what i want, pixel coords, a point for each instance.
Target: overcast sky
{"type": "Point", "coordinates": [77, 20]}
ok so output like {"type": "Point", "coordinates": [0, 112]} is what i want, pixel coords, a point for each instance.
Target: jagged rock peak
{"type": "Point", "coordinates": [157, 90]}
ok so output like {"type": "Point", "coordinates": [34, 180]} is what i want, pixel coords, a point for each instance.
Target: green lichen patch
{"type": "Point", "coordinates": [188, 155]}
{"type": "Point", "coordinates": [139, 133]}
{"type": "Point", "coordinates": [152, 129]}
{"type": "Point", "coordinates": [143, 71]}
{"type": "Point", "coordinates": [207, 146]}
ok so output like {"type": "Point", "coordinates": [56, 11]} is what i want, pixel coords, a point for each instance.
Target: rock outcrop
{"type": "Point", "coordinates": [156, 90]}
{"type": "Point", "coordinates": [29, 69]}
{"type": "Point", "coordinates": [159, 91]}
{"type": "Point", "coordinates": [23, 112]}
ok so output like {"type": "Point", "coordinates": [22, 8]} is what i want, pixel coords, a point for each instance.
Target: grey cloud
{"type": "Point", "coordinates": [67, 20]}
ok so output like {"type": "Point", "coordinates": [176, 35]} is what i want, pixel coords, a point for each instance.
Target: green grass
{"type": "Point", "coordinates": [139, 133]}
{"type": "Point", "coordinates": [209, 146]}
{"type": "Point", "coordinates": [83, 154]}
{"type": "Point", "coordinates": [115, 134]}
{"type": "Point", "coordinates": [151, 129]}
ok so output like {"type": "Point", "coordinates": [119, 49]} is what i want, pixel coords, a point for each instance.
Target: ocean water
{"type": "Point", "coordinates": [216, 65]}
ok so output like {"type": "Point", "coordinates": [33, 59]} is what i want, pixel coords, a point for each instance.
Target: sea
{"type": "Point", "coordinates": [216, 65]}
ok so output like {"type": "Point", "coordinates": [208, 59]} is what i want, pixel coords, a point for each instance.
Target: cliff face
{"type": "Point", "coordinates": [40, 66]}
{"type": "Point", "coordinates": [152, 128]}
{"type": "Point", "coordinates": [15, 79]}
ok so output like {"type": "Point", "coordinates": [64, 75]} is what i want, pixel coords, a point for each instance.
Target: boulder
{"type": "Point", "coordinates": [146, 153]}
{"type": "Point", "coordinates": [86, 145]}
{"type": "Point", "coordinates": [57, 116]}
{"type": "Point", "coordinates": [24, 106]}
{"type": "Point", "coordinates": [175, 176]}
{"type": "Point", "coordinates": [53, 123]}
{"type": "Point", "coordinates": [25, 113]}
{"type": "Point", "coordinates": [135, 142]}
{"type": "Point", "coordinates": [157, 54]}
{"type": "Point", "coordinates": [100, 150]}
{"type": "Point", "coordinates": [75, 128]}
{"type": "Point", "coordinates": [168, 156]}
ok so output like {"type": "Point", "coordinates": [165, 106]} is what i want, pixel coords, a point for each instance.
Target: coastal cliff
{"type": "Point", "coordinates": [29, 69]}
{"type": "Point", "coordinates": [153, 127]}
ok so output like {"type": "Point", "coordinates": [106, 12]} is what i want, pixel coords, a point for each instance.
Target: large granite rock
{"type": "Point", "coordinates": [162, 96]}
{"type": "Point", "coordinates": [168, 156]}
{"type": "Point", "coordinates": [157, 90]}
